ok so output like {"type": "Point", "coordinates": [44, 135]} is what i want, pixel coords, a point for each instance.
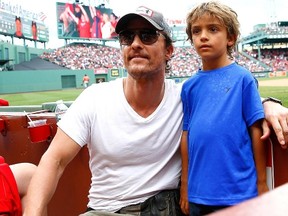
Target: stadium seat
{"type": "Point", "coordinates": [10, 203]}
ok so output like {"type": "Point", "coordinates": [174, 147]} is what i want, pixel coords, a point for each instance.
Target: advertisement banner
{"type": "Point", "coordinates": [19, 22]}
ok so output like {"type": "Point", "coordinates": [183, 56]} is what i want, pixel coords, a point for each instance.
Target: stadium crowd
{"type": "Point", "coordinates": [85, 56]}
{"type": "Point", "coordinates": [277, 59]}
{"type": "Point", "coordinates": [185, 61]}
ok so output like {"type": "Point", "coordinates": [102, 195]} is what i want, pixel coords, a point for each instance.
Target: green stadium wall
{"type": "Point", "coordinates": [48, 80]}
{"type": "Point", "coordinates": [12, 81]}
{"type": "Point", "coordinates": [34, 80]}
{"type": "Point", "coordinates": [17, 54]}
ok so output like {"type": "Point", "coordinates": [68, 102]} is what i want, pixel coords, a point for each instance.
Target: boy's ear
{"type": "Point", "coordinates": [231, 40]}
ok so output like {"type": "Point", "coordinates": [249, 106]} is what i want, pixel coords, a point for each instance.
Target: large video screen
{"type": "Point", "coordinates": [18, 22]}
{"type": "Point", "coordinates": [85, 22]}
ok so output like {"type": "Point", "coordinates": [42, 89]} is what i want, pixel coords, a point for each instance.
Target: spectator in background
{"type": "Point", "coordinates": [18, 27]}
{"type": "Point", "coordinates": [34, 30]}
{"type": "Point", "coordinates": [69, 26]}
{"type": "Point", "coordinates": [107, 27]}
{"type": "Point", "coordinates": [97, 22]}
{"type": "Point", "coordinates": [113, 20]}
{"type": "Point", "coordinates": [82, 20]}
{"type": "Point", "coordinates": [21, 174]}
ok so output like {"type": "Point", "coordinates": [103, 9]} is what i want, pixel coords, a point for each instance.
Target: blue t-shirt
{"type": "Point", "coordinates": [219, 106]}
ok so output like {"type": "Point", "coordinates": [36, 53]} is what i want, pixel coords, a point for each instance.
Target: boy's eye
{"type": "Point", "coordinates": [195, 31]}
{"type": "Point", "coordinates": [213, 29]}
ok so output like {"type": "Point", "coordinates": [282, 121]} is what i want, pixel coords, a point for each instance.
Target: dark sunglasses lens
{"type": "Point", "coordinates": [126, 37]}
{"type": "Point", "coordinates": [147, 37]}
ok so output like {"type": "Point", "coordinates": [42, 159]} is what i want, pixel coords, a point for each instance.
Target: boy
{"type": "Point", "coordinates": [222, 119]}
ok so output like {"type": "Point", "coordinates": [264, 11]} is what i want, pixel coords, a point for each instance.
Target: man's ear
{"type": "Point", "coordinates": [169, 52]}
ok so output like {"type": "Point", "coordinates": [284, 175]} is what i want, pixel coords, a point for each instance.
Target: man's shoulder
{"type": "Point", "coordinates": [173, 86]}
{"type": "Point", "coordinates": [108, 85]}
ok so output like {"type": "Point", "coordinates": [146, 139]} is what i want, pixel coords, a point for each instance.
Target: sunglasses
{"type": "Point", "coordinates": [147, 36]}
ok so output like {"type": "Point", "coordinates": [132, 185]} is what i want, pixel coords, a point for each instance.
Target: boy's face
{"type": "Point", "coordinates": [210, 38]}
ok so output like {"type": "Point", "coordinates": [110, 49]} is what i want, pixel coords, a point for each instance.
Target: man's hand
{"type": "Point", "coordinates": [276, 116]}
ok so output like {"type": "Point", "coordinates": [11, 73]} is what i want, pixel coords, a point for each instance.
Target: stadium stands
{"type": "Point", "coordinates": [268, 44]}
{"type": "Point", "coordinates": [276, 59]}
{"type": "Point", "coordinates": [264, 50]}
{"type": "Point", "coordinates": [85, 56]}
{"type": "Point", "coordinates": [185, 61]}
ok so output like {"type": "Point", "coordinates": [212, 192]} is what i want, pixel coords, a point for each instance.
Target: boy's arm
{"type": "Point", "coordinates": [259, 150]}
{"type": "Point", "coordinates": [184, 203]}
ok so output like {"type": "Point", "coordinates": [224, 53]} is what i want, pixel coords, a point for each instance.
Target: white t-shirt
{"type": "Point", "coordinates": [131, 158]}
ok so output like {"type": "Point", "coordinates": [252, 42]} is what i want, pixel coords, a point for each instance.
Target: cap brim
{"type": "Point", "coordinates": [122, 22]}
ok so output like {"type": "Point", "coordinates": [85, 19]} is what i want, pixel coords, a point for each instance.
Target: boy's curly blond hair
{"type": "Point", "coordinates": [227, 16]}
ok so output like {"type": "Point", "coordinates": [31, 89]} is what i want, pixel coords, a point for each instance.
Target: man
{"type": "Point", "coordinates": [18, 27]}
{"type": "Point", "coordinates": [34, 30]}
{"type": "Point", "coordinates": [134, 149]}
{"type": "Point", "coordinates": [85, 81]}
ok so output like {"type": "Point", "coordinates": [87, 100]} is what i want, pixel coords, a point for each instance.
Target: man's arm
{"type": "Point", "coordinates": [51, 167]}
{"type": "Point", "coordinates": [276, 116]}
{"type": "Point", "coordinates": [84, 13]}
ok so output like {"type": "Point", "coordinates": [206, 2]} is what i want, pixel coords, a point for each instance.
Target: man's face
{"type": "Point", "coordinates": [34, 31]}
{"type": "Point", "coordinates": [77, 9]}
{"type": "Point", "coordinates": [142, 60]}
{"type": "Point", "coordinates": [18, 26]}
{"type": "Point", "coordinates": [99, 14]}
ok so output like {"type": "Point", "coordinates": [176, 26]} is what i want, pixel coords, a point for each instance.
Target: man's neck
{"type": "Point", "coordinates": [144, 96]}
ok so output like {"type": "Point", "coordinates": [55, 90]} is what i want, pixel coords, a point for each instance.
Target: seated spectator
{"type": "Point", "coordinates": [21, 175]}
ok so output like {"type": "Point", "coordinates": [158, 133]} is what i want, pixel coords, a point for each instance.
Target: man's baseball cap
{"type": "Point", "coordinates": [154, 17]}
